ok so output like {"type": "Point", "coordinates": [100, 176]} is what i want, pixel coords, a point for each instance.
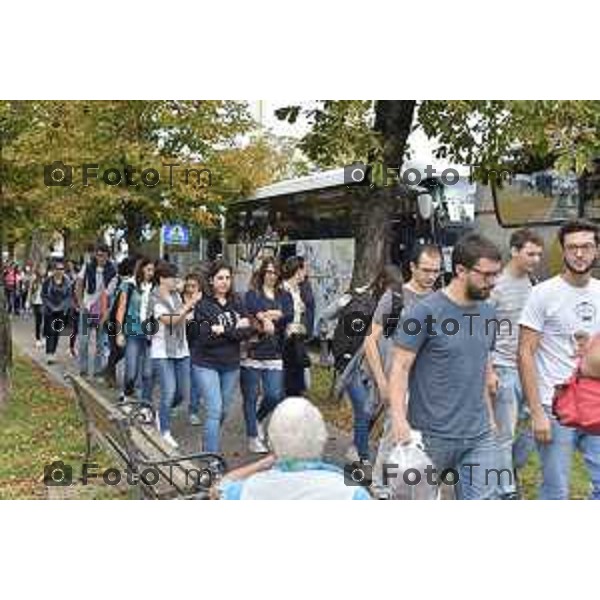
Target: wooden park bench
{"type": "Point", "coordinates": [128, 433]}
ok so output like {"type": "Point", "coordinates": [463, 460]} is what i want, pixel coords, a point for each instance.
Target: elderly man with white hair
{"type": "Point", "coordinates": [296, 471]}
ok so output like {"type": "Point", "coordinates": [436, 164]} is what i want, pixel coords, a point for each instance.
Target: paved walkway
{"type": "Point", "coordinates": [189, 437]}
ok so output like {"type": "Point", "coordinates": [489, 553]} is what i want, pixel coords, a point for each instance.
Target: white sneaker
{"type": "Point", "coordinates": [168, 438]}
{"type": "Point", "coordinates": [256, 446]}
{"type": "Point", "coordinates": [260, 428]}
{"type": "Point", "coordinates": [39, 344]}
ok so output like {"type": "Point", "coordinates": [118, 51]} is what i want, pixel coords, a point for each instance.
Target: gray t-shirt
{"type": "Point", "coordinates": [385, 309]}
{"type": "Point", "coordinates": [509, 297]}
{"type": "Point", "coordinates": [447, 381]}
{"type": "Point", "coordinates": [411, 298]}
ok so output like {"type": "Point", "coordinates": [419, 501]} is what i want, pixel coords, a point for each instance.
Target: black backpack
{"type": "Point", "coordinates": [353, 325]}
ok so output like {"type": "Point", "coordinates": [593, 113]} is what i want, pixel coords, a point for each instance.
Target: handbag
{"type": "Point", "coordinates": [576, 403]}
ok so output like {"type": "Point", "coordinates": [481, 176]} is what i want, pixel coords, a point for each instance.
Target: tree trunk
{"type": "Point", "coordinates": [371, 240]}
{"type": "Point", "coordinates": [5, 330]}
{"type": "Point", "coordinates": [134, 223]}
{"type": "Point", "coordinates": [38, 245]}
{"type": "Point", "coordinates": [66, 233]}
{"type": "Point", "coordinates": [393, 120]}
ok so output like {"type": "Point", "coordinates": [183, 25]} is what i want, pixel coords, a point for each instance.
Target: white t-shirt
{"type": "Point", "coordinates": [158, 348]}
{"type": "Point", "coordinates": [91, 302]}
{"type": "Point", "coordinates": [558, 310]}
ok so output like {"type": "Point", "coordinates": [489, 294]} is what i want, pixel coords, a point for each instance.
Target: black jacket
{"type": "Point", "coordinates": [269, 347]}
{"type": "Point", "coordinates": [56, 298]}
{"type": "Point", "coordinates": [217, 351]}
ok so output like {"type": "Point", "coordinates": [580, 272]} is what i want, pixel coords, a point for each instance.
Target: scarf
{"type": "Point", "coordinates": [174, 334]}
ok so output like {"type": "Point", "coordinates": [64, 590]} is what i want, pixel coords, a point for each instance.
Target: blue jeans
{"type": "Point", "coordinates": [195, 394]}
{"type": "Point", "coordinates": [85, 331]}
{"type": "Point", "coordinates": [556, 460]}
{"type": "Point", "coordinates": [273, 393]}
{"type": "Point", "coordinates": [360, 394]}
{"type": "Point", "coordinates": [474, 460]}
{"type": "Point", "coordinates": [138, 368]}
{"type": "Point", "coordinates": [174, 377]}
{"type": "Point", "coordinates": [217, 387]}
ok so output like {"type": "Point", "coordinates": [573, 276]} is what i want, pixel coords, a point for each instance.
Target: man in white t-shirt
{"type": "Point", "coordinates": [558, 312]}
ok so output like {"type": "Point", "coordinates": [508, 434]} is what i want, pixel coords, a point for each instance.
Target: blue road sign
{"type": "Point", "coordinates": [176, 235]}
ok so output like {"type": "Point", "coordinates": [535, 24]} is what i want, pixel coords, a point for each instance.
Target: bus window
{"type": "Point", "coordinates": [540, 198]}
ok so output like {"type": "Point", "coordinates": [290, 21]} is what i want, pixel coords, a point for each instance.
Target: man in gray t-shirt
{"type": "Point", "coordinates": [448, 377]}
{"type": "Point", "coordinates": [509, 297]}
{"type": "Point", "coordinates": [442, 354]}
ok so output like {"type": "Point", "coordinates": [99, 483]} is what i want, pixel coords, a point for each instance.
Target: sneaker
{"type": "Point", "coordinates": [256, 446]}
{"type": "Point", "coordinates": [168, 438]}
{"type": "Point", "coordinates": [50, 360]}
{"type": "Point", "coordinates": [121, 398]}
{"type": "Point", "coordinates": [39, 344]}
{"type": "Point", "coordinates": [146, 415]}
{"type": "Point", "coordinates": [262, 434]}
{"type": "Point", "coordinates": [195, 420]}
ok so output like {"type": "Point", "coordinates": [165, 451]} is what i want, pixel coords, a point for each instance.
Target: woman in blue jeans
{"type": "Point", "coordinates": [272, 309]}
{"type": "Point", "coordinates": [357, 372]}
{"type": "Point", "coordinates": [132, 312]}
{"type": "Point", "coordinates": [192, 287]}
{"type": "Point", "coordinates": [169, 348]}
{"type": "Point", "coordinates": [216, 332]}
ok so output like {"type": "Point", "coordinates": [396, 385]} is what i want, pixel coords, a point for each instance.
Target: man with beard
{"type": "Point", "coordinates": [444, 344]}
{"type": "Point", "coordinates": [559, 316]}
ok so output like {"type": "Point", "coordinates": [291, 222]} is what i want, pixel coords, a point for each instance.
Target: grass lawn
{"type": "Point", "coordinates": [41, 424]}
{"type": "Point", "coordinates": [340, 414]}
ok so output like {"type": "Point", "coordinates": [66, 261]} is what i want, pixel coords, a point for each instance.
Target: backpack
{"type": "Point", "coordinates": [393, 319]}
{"type": "Point", "coordinates": [114, 304]}
{"type": "Point", "coordinates": [352, 327]}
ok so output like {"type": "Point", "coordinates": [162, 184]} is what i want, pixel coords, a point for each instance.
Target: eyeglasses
{"type": "Point", "coordinates": [585, 248]}
{"type": "Point", "coordinates": [486, 274]}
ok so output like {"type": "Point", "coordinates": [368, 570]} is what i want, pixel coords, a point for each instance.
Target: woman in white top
{"type": "Point", "coordinates": [35, 301]}
{"type": "Point", "coordinates": [169, 349]}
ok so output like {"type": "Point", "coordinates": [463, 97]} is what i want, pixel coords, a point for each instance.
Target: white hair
{"type": "Point", "coordinates": [297, 430]}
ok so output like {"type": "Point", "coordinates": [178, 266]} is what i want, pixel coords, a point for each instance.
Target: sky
{"type": "Point", "coordinates": [422, 147]}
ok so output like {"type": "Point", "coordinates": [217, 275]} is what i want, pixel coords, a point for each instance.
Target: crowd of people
{"type": "Point", "coordinates": [189, 336]}
{"type": "Point", "coordinates": [471, 366]}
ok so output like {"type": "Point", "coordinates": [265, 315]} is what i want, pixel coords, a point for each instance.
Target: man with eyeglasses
{"type": "Point", "coordinates": [425, 267]}
{"type": "Point", "coordinates": [509, 297]}
{"type": "Point", "coordinates": [442, 354]}
{"type": "Point", "coordinates": [559, 314]}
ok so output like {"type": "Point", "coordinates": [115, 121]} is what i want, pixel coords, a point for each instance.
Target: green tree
{"type": "Point", "coordinates": [202, 151]}
{"type": "Point", "coordinates": [486, 133]}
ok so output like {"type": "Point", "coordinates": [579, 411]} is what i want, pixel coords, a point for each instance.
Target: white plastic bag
{"type": "Point", "coordinates": [405, 472]}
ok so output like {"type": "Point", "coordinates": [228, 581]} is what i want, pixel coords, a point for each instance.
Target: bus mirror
{"type": "Point", "coordinates": [425, 203]}
{"type": "Point", "coordinates": [545, 197]}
